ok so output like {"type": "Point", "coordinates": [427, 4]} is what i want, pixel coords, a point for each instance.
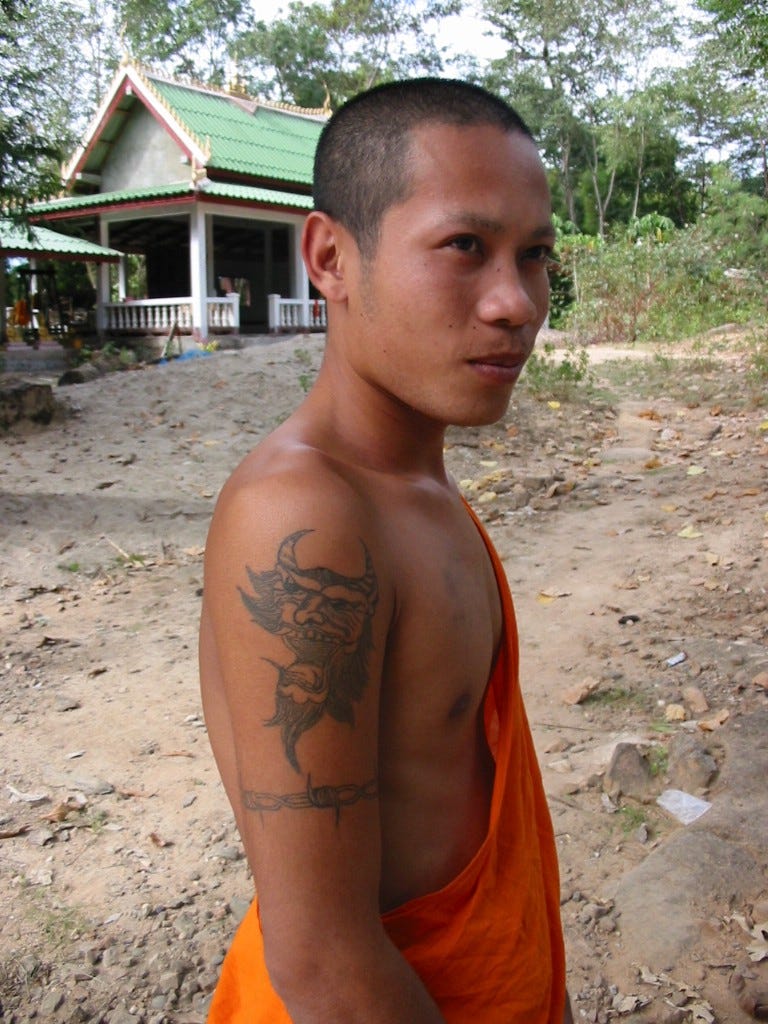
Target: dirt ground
{"type": "Point", "coordinates": [633, 524]}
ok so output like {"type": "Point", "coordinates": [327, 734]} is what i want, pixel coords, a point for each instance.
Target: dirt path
{"type": "Point", "coordinates": [121, 878]}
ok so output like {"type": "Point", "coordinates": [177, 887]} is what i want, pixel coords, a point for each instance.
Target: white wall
{"type": "Point", "coordinates": [144, 154]}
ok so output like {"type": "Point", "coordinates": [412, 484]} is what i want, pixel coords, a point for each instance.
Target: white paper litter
{"type": "Point", "coordinates": [683, 806]}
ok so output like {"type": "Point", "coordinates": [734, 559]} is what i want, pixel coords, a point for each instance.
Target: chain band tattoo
{"type": "Point", "coordinates": [321, 797]}
{"type": "Point", "coordinates": [325, 621]}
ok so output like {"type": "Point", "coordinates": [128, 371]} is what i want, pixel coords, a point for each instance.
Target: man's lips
{"type": "Point", "coordinates": [501, 366]}
{"type": "Point", "coordinates": [501, 359]}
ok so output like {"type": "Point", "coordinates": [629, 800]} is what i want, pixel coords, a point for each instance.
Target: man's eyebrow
{"type": "Point", "coordinates": [475, 221]}
{"type": "Point", "coordinates": [545, 233]}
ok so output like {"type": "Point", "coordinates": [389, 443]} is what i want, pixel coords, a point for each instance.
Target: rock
{"type": "Point", "coordinates": [50, 1003]}
{"type": "Point", "coordinates": [519, 496]}
{"type": "Point", "coordinates": [691, 767]}
{"type": "Point", "coordinates": [675, 713]}
{"type": "Point", "coordinates": [628, 774]}
{"type": "Point", "coordinates": [25, 400]}
{"type": "Point", "coordinates": [67, 704]}
{"type": "Point", "coordinates": [695, 700]}
{"type": "Point", "coordinates": [225, 851]}
{"type": "Point", "coordinates": [238, 908]}
{"type": "Point", "coordinates": [40, 836]}
{"type": "Point", "coordinates": [676, 884]}
{"type": "Point", "coordinates": [79, 374]}
{"type": "Point", "coordinates": [185, 926]}
{"type": "Point", "coordinates": [122, 1015]}
{"type": "Point", "coordinates": [580, 691]}
{"type": "Point", "coordinates": [752, 999]}
{"type": "Point", "coordinates": [94, 787]}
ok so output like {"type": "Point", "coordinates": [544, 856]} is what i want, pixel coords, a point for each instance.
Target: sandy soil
{"type": "Point", "coordinates": [634, 529]}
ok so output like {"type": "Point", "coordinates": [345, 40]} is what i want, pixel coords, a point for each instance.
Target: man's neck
{"type": "Point", "coordinates": [360, 424]}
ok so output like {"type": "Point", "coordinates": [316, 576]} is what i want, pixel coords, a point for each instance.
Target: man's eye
{"type": "Point", "coordinates": [540, 254]}
{"type": "Point", "coordinates": [466, 243]}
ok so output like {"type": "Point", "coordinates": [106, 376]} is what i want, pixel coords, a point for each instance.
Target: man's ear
{"type": "Point", "coordinates": [324, 244]}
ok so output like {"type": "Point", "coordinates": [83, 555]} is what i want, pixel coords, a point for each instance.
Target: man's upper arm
{"type": "Point", "coordinates": [299, 622]}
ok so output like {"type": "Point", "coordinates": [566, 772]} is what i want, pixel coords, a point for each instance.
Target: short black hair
{"type": "Point", "coordinates": [361, 161]}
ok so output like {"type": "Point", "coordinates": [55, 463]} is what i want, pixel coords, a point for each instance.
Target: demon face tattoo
{"type": "Point", "coordinates": [324, 619]}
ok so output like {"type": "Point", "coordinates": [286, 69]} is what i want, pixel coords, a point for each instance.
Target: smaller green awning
{"type": "Point", "coordinates": [15, 240]}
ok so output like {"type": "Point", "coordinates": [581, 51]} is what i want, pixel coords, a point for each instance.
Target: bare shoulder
{"type": "Point", "coordinates": [285, 487]}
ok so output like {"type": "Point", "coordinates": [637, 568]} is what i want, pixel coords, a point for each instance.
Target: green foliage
{"type": "Point", "coordinates": [654, 283]}
{"type": "Point", "coordinates": [323, 53]}
{"type": "Point", "coordinates": [658, 761]}
{"type": "Point", "coordinates": [632, 817]}
{"type": "Point", "coordinates": [190, 37]}
{"type": "Point", "coordinates": [557, 376]}
{"type": "Point", "coordinates": [35, 105]}
{"type": "Point", "coordinates": [744, 26]}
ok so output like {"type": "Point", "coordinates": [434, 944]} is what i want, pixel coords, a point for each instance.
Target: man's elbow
{"type": "Point", "coordinates": [308, 969]}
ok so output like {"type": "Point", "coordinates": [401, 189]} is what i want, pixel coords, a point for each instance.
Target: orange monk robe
{"type": "Point", "coordinates": [488, 946]}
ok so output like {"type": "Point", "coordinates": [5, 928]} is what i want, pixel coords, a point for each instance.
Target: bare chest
{"type": "Point", "coordinates": [446, 631]}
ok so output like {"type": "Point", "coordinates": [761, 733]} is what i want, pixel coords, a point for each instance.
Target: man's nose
{"type": "Point", "coordinates": [510, 298]}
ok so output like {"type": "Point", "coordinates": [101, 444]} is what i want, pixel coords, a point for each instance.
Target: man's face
{"type": "Point", "coordinates": [446, 311]}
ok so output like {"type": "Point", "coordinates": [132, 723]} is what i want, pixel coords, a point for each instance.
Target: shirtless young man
{"type": "Point", "coordinates": [389, 803]}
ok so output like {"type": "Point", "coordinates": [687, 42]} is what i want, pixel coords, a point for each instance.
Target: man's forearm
{"type": "Point", "coordinates": [376, 985]}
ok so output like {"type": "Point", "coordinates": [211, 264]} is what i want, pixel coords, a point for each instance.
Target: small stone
{"type": "Point", "coordinates": [580, 691]}
{"type": "Point", "coordinates": [695, 700]}
{"type": "Point", "coordinates": [50, 1003]}
{"type": "Point", "coordinates": [122, 1015]}
{"type": "Point", "coordinates": [94, 787]}
{"type": "Point", "coordinates": [519, 497]}
{"type": "Point", "coordinates": [239, 907]}
{"type": "Point", "coordinates": [185, 926]}
{"type": "Point", "coordinates": [225, 851]}
{"type": "Point", "coordinates": [628, 773]}
{"type": "Point", "coordinates": [675, 713]}
{"type": "Point", "coordinates": [40, 836]}
{"type": "Point", "coordinates": [691, 767]}
{"type": "Point", "coordinates": [67, 704]}
{"type": "Point", "coordinates": [111, 956]}
{"type": "Point", "coordinates": [169, 982]}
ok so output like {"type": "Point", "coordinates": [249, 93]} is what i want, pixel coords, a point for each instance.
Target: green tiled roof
{"type": "Point", "coordinates": [244, 138]}
{"type": "Point", "coordinates": [214, 189]}
{"type": "Point", "coordinates": [15, 241]}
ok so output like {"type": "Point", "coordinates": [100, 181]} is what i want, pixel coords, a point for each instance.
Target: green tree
{"type": "Point", "coordinates": [39, 97]}
{"type": "Point", "coordinates": [188, 37]}
{"type": "Point", "coordinates": [725, 88]}
{"type": "Point", "coordinates": [325, 53]}
{"type": "Point", "coordinates": [742, 25]}
{"type": "Point", "coordinates": [568, 60]}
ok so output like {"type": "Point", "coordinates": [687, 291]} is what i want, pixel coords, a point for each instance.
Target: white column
{"type": "Point", "coordinates": [209, 279]}
{"type": "Point", "coordinates": [102, 281]}
{"type": "Point", "coordinates": [122, 279]}
{"type": "Point", "coordinates": [299, 274]}
{"type": "Point", "coordinates": [197, 272]}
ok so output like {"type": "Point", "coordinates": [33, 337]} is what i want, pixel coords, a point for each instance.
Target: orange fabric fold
{"type": "Point", "coordinates": [488, 946]}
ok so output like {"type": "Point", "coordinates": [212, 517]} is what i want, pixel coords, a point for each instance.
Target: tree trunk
{"type": "Point", "coordinates": [639, 176]}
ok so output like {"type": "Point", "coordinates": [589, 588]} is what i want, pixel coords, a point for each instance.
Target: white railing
{"type": "Point", "coordinates": [296, 314]}
{"type": "Point", "coordinates": [149, 315]}
{"type": "Point", "coordinates": [160, 315]}
{"type": "Point", "coordinates": [224, 313]}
